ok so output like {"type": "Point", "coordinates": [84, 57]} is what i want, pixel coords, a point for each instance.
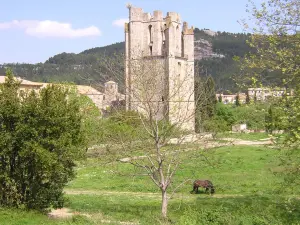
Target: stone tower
{"type": "Point", "coordinates": [160, 65]}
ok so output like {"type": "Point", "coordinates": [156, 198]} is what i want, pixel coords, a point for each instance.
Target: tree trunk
{"type": "Point", "coordinates": [164, 203]}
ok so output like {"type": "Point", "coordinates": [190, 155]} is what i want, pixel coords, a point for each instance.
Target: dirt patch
{"type": "Point", "coordinates": [94, 192]}
{"type": "Point", "coordinates": [235, 141]}
{"type": "Point", "coordinates": [63, 213]}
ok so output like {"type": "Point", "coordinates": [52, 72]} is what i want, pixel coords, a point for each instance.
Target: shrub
{"type": "Point", "coordinates": [40, 137]}
{"type": "Point", "coordinates": [253, 115]}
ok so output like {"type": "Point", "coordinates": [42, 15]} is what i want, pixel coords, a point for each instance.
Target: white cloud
{"type": "Point", "coordinates": [49, 28]}
{"type": "Point", "coordinates": [120, 22]}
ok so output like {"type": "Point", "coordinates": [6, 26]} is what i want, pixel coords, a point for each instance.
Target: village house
{"type": "Point", "coordinates": [263, 94]}
{"type": "Point", "coordinates": [230, 99]}
{"type": "Point", "coordinates": [102, 100]}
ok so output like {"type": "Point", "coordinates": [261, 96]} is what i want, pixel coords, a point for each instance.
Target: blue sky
{"type": "Point", "coordinates": [31, 31]}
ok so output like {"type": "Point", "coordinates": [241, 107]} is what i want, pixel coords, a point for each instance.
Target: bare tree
{"type": "Point", "coordinates": [165, 107]}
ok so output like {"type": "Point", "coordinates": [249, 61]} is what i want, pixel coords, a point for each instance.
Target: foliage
{"type": "Point", "coordinates": [216, 125]}
{"type": "Point", "coordinates": [291, 118]}
{"type": "Point", "coordinates": [205, 101]}
{"type": "Point", "coordinates": [277, 46]}
{"type": "Point", "coordinates": [253, 115]}
{"type": "Point", "coordinates": [118, 127]}
{"type": "Point", "coordinates": [91, 124]}
{"type": "Point", "coordinates": [275, 118]}
{"type": "Point", "coordinates": [40, 139]}
{"type": "Point", "coordinates": [226, 115]}
{"type": "Point", "coordinates": [276, 41]}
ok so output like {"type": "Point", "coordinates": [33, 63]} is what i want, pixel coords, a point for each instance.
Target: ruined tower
{"type": "Point", "coordinates": [159, 66]}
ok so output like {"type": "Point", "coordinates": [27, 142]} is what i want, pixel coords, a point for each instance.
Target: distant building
{"type": "Point", "coordinates": [25, 85]}
{"type": "Point", "coordinates": [110, 98]}
{"type": "Point", "coordinates": [230, 99]}
{"type": "Point", "coordinates": [263, 94]}
{"type": "Point", "coordinates": [111, 94]}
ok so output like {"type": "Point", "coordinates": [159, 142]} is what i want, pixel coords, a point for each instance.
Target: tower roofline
{"type": "Point", "coordinates": [137, 14]}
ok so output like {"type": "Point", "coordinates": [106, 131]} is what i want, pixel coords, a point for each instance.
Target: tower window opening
{"type": "Point", "coordinates": [150, 33]}
{"type": "Point", "coordinates": [150, 48]}
{"type": "Point", "coordinates": [179, 68]}
{"type": "Point", "coordinates": [182, 46]}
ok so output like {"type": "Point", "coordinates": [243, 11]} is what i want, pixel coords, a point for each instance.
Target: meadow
{"type": "Point", "coordinates": [248, 191]}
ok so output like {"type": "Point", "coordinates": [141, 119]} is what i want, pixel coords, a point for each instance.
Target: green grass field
{"type": "Point", "coordinates": [247, 192]}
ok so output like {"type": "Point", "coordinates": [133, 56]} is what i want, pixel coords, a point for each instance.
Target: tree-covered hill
{"type": "Point", "coordinates": [213, 53]}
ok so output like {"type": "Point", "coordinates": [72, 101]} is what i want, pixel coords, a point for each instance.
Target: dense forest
{"type": "Point", "coordinates": [214, 52]}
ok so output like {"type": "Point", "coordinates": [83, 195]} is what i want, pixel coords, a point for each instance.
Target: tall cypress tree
{"type": "Point", "coordinates": [247, 98]}
{"type": "Point", "coordinates": [206, 100]}
{"type": "Point", "coordinates": [237, 100]}
{"type": "Point", "coordinates": [220, 98]}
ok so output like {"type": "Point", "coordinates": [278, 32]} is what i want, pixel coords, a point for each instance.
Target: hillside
{"type": "Point", "coordinates": [213, 53]}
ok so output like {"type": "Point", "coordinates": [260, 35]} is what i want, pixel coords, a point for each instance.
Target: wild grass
{"type": "Point", "coordinates": [247, 192]}
{"type": "Point", "coordinates": [233, 170]}
{"type": "Point", "coordinates": [198, 209]}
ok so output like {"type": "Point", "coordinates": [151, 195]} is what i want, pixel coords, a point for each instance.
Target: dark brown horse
{"type": "Point", "coordinates": [205, 184]}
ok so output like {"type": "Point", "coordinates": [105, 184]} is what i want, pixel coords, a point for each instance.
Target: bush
{"type": "Point", "coordinates": [40, 137]}
{"type": "Point", "coordinates": [253, 115]}
{"type": "Point", "coordinates": [216, 125]}
{"type": "Point", "coordinates": [226, 113]}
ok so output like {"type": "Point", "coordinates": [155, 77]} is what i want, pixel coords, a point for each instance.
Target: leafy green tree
{"type": "Point", "coordinates": [276, 44]}
{"type": "Point", "coordinates": [276, 40]}
{"type": "Point", "coordinates": [275, 118]}
{"type": "Point", "coordinates": [91, 117]}
{"type": "Point", "coordinates": [40, 137]}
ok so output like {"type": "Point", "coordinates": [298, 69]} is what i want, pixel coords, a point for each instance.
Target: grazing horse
{"type": "Point", "coordinates": [205, 184]}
